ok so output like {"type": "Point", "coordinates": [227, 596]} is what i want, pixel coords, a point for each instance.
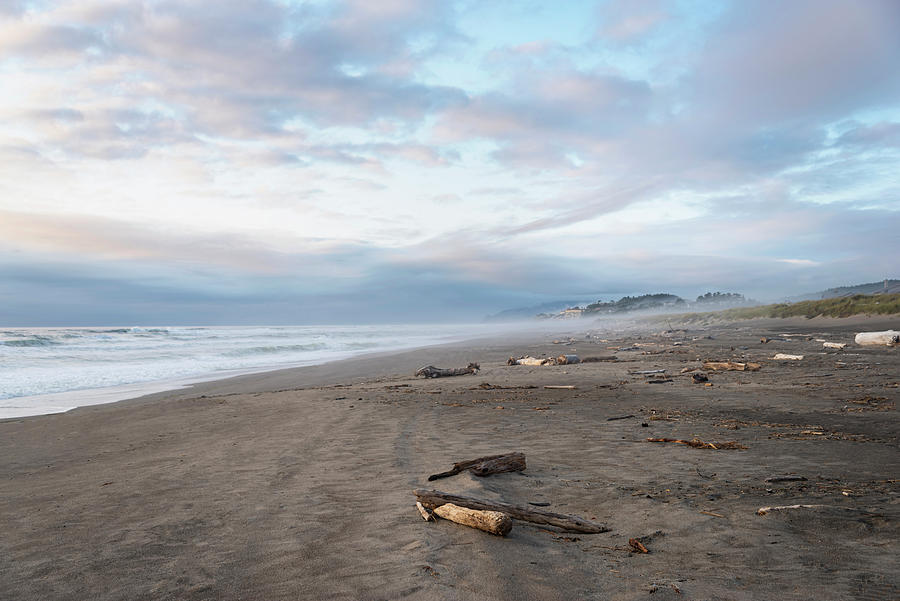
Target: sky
{"type": "Point", "coordinates": [313, 161]}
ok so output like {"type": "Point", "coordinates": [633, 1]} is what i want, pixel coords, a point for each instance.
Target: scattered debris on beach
{"type": "Point", "coordinates": [696, 443]}
{"type": "Point", "coordinates": [430, 371]}
{"type": "Point", "coordinates": [786, 357]}
{"type": "Point", "coordinates": [699, 378]}
{"type": "Point", "coordinates": [834, 345]}
{"type": "Point", "coordinates": [485, 466]}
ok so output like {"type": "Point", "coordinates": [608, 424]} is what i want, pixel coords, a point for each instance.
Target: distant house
{"type": "Point", "coordinates": [571, 312]}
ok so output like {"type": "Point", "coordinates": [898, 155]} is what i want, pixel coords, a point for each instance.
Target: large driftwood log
{"type": "Point", "coordinates": [887, 338]}
{"type": "Point", "coordinates": [485, 466]}
{"type": "Point", "coordinates": [495, 522]}
{"type": "Point", "coordinates": [430, 371]}
{"type": "Point", "coordinates": [435, 498]}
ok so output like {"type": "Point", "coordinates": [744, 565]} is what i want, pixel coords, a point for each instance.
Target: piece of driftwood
{"type": "Point", "coordinates": [637, 546]}
{"type": "Point", "coordinates": [560, 387]}
{"type": "Point", "coordinates": [730, 366]}
{"type": "Point", "coordinates": [886, 338]}
{"type": "Point", "coordinates": [435, 498]}
{"type": "Point", "coordinates": [485, 466]}
{"type": "Point", "coordinates": [599, 359]}
{"type": "Point", "coordinates": [495, 522]}
{"type": "Point", "coordinates": [426, 515]}
{"type": "Point", "coordinates": [836, 345]}
{"type": "Point", "coordinates": [699, 444]}
{"type": "Point", "coordinates": [612, 419]}
{"type": "Point", "coordinates": [786, 479]}
{"type": "Point", "coordinates": [526, 361]}
{"type": "Point", "coordinates": [786, 357]}
{"type": "Point", "coordinates": [567, 360]}
{"type": "Point", "coordinates": [430, 371]}
{"type": "Point", "coordinates": [766, 510]}
{"type": "Point", "coordinates": [646, 372]}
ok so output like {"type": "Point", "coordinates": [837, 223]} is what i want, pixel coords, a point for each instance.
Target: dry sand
{"type": "Point", "coordinates": [297, 484]}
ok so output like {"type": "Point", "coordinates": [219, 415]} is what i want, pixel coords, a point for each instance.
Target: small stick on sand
{"type": "Point", "coordinates": [494, 522]}
{"type": "Point", "coordinates": [559, 387]}
{"type": "Point", "coordinates": [637, 546]}
{"type": "Point", "coordinates": [426, 515]}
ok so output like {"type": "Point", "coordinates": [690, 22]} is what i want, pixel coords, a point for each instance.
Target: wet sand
{"type": "Point", "coordinates": [297, 484]}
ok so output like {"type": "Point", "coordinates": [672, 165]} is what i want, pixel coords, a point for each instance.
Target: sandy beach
{"type": "Point", "coordinates": [298, 484]}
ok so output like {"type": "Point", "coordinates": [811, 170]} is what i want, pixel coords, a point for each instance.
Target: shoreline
{"type": "Point", "coordinates": [278, 378]}
{"type": "Point", "coordinates": [252, 380]}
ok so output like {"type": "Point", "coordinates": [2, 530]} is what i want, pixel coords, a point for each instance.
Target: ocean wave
{"type": "Point", "coordinates": [33, 341]}
{"type": "Point", "coordinates": [262, 350]}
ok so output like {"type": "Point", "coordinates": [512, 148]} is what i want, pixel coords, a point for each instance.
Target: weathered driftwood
{"type": "Point", "coordinates": [485, 466]}
{"type": "Point", "coordinates": [435, 498]}
{"type": "Point", "coordinates": [430, 371]}
{"type": "Point", "coordinates": [526, 361]}
{"type": "Point", "coordinates": [786, 357]}
{"type": "Point", "coordinates": [495, 522]}
{"type": "Point", "coordinates": [646, 372]}
{"type": "Point", "coordinates": [837, 345]}
{"type": "Point", "coordinates": [561, 387]}
{"type": "Point", "coordinates": [426, 515]}
{"type": "Point", "coordinates": [567, 360]}
{"type": "Point", "coordinates": [765, 510]}
{"type": "Point", "coordinates": [886, 338]}
{"type": "Point", "coordinates": [699, 444]}
{"type": "Point", "coordinates": [786, 479]}
{"type": "Point", "coordinates": [599, 359]}
{"type": "Point", "coordinates": [730, 366]}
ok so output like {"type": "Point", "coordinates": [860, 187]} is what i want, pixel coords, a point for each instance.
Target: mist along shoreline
{"type": "Point", "coordinates": [296, 484]}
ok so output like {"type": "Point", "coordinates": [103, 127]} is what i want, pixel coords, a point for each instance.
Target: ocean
{"type": "Point", "coordinates": [48, 370]}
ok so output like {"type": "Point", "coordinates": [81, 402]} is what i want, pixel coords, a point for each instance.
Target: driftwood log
{"type": "Point", "coordinates": [599, 359]}
{"type": "Point", "coordinates": [485, 466]}
{"type": "Point", "coordinates": [572, 523]}
{"type": "Point", "coordinates": [888, 338]}
{"type": "Point", "coordinates": [766, 510]}
{"type": "Point", "coordinates": [495, 522]}
{"type": "Point", "coordinates": [430, 371]}
{"type": "Point", "coordinates": [730, 366]}
{"type": "Point", "coordinates": [787, 357]}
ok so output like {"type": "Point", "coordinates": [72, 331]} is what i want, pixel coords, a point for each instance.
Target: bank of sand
{"type": "Point", "coordinates": [297, 484]}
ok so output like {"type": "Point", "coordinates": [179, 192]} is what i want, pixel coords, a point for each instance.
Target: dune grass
{"type": "Point", "coordinates": [846, 306]}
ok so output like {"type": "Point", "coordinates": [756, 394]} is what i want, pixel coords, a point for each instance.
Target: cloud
{"type": "Point", "coordinates": [435, 156]}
